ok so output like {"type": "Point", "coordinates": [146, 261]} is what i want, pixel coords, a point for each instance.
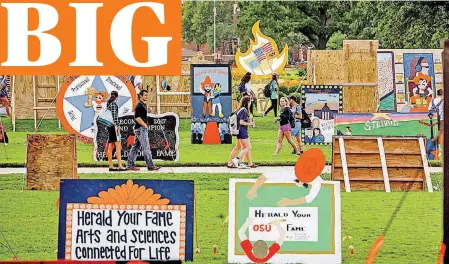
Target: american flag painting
{"type": "Point", "coordinates": [259, 54]}
{"type": "Point", "coordinates": [267, 48]}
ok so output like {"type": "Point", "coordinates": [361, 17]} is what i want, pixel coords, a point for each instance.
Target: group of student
{"type": "Point", "coordinates": [289, 122]}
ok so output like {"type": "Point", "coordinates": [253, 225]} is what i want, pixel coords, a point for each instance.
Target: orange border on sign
{"type": "Point", "coordinates": [60, 100]}
{"type": "Point", "coordinates": [84, 206]}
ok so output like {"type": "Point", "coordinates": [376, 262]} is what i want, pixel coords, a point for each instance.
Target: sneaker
{"type": "Point", "coordinates": [235, 161]}
{"type": "Point", "coordinates": [243, 166]}
{"type": "Point", "coordinates": [293, 152]}
{"type": "Point", "coordinates": [133, 169]}
{"type": "Point", "coordinates": [155, 168]}
{"type": "Point", "coordinates": [113, 169]}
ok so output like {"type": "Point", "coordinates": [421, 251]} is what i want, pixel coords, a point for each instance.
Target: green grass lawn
{"type": "Point", "coordinates": [263, 139]}
{"type": "Point", "coordinates": [29, 220]}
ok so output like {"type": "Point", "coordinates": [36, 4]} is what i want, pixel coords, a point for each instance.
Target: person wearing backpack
{"type": "Point", "coordinates": [243, 143]}
{"type": "Point", "coordinates": [274, 86]}
{"type": "Point", "coordinates": [437, 107]}
{"type": "Point", "coordinates": [245, 90]}
{"type": "Point", "coordinates": [297, 114]}
{"type": "Point", "coordinates": [114, 134]}
{"type": "Point", "coordinates": [287, 121]}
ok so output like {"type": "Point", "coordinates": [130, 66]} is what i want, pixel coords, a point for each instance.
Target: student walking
{"type": "Point", "coordinates": [243, 143]}
{"type": "Point", "coordinates": [274, 86]}
{"type": "Point", "coordinates": [286, 121]}
{"type": "Point", "coordinates": [114, 134]}
{"type": "Point", "coordinates": [297, 114]}
{"type": "Point", "coordinates": [245, 90]}
{"type": "Point", "coordinates": [141, 140]}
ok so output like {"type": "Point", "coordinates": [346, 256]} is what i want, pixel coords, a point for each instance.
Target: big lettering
{"type": "Point", "coordinates": [84, 38]}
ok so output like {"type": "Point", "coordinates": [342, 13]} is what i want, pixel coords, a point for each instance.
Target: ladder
{"type": "Point", "coordinates": [50, 97]}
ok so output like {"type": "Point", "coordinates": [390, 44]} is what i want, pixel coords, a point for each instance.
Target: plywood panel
{"type": "Point", "coordinates": [49, 159]}
{"type": "Point", "coordinates": [403, 159]}
{"type": "Point", "coordinates": [375, 173]}
{"type": "Point", "coordinates": [353, 145]}
{"type": "Point", "coordinates": [380, 186]}
{"type": "Point", "coordinates": [325, 67]}
{"type": "Point", "coordinates": [400, 146]}
{"type": "Point", "coordinates": [360, 66]}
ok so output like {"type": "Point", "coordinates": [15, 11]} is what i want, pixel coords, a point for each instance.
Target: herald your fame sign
{"type": "Point", "coordinates": [124, 220]}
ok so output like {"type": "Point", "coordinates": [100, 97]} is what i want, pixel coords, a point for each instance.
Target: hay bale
{"type": "Point", "coordinates": [49, 159]}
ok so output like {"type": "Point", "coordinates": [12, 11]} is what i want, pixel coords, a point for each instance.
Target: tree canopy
{"type": "Point", "coordinates": [322, 24]}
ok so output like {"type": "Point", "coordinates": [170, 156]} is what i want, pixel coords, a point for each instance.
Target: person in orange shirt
{"type": "Point", "coordinates": [259, 252]}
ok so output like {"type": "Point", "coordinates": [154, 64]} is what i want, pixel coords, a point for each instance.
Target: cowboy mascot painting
{"type": "Point", "coordinates": [206, 90]}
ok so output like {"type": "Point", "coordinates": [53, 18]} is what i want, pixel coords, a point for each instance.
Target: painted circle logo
{"type": "Point", "coordinates": [82, 99]}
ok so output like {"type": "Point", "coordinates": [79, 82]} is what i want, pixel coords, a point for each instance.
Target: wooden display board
{"type": "Point", "coordinates": [49, 159]}
{"type": "Point", "coordinates": [380, 163]}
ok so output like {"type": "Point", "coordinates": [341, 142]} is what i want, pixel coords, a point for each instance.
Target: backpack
{"type": "Point", "coordinates": [242, 87]}
{"type": "Point", "coordinates": [434, 109]}
{"type": "Point", "coordinates": [233, 123]}
{"type": "Point", "coordinates": [305, 121]}
{"type": "Point", "coordinates": [292, 120]}
{"type": "Point", "coordinates": [267, 90]}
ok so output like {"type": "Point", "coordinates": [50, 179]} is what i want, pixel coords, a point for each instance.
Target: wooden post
{"type": "Point", "coordinates": [158, 96]}
{"type": "Point", "coordinates": [57, 94]}
{"type": "Point", "coordinates": [34, 102]}
{"type": "Point", "coordinates": [344, 163]}
{"type": "Point", "coordinates": [446, 151]}
{"type": "Point", "coordinates": [425, 164]}
{"type": "Point", "coordinates": [13, 103]}
{"type": "Point", "coordinates": [383, 160]}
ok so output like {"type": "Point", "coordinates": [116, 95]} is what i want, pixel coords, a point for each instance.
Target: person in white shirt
{"type": "Point", "coordinates": [288, 176]}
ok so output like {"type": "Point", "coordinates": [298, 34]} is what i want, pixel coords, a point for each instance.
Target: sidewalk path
{"type": "Point", "coordinates": [327, 169]}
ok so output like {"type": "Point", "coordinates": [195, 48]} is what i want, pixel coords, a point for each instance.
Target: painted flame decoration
{"type": "Point", "coordinates": [262, 58]}
{"type": "Point", "coordinates": [128, 194]}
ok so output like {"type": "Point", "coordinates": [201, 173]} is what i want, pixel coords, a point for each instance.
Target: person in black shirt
{"type": "Point", "coordinates": [113, 131]}
{"type": "Point", "coordinates": [286, 120]}
{"type": "Point", "coordinates": [141, 140]}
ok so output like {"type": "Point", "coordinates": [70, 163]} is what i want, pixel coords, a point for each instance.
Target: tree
{"type": "Point", "coordinates": [398, 24]}
{"type": "Point", "coordinates": [317, 21]}
{"type": "Point", "coordinates": [198, 19]}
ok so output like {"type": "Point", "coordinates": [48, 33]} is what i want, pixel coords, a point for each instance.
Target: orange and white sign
{"type": "Point", "coordinates": [81, 37]}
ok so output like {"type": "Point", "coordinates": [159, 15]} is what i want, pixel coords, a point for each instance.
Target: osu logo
{"type": "Point", "coordinates": [83, 98]}
{"type": "Point", "coordinates": [77, 37]}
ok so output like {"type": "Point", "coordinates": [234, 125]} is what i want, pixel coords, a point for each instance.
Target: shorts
{"type": "Point", "coordinates": [285, 128]}
{"type": "Point", "coordinates": [112, 135]}
{"type": "Point", "coordinates": [296, 132]}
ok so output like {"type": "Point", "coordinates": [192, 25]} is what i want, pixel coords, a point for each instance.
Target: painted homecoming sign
{"type": "Point", "coordinates": [82, 99]}
{"type": "Point", "coordinates": [127, 221]}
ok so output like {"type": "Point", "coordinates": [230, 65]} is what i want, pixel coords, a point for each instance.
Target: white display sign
{"type": "Point", "coordinates": [125, 233]}
{"type": "Point", "coordinates": [299, 223]}
{"type": "Point", "coordinates": [327, 129]}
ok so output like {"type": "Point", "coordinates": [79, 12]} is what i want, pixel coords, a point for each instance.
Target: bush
{"type": "Point", "coordinates": [284, 89]}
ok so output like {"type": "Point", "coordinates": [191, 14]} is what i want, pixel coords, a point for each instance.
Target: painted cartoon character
{"type": "Point", "coordinates": [206, 90]}
{"type": "Point", "coordinates": [420, 85]}
{"type": "Point", "coordinates": [99, 104]}
{"type": "Point", "coordinates": [259, 252]}
{"type": "Point", "coordinates": [216, 100]}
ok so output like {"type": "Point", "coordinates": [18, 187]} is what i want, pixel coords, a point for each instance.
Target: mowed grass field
{"type": "Point", "coordinates": [29, 220]}
{"type": "Point", "coordinates": [263, 139]}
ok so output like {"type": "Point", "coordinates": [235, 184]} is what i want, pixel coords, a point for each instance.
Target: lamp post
{"type": "Point", "coordinates": [215, 14]}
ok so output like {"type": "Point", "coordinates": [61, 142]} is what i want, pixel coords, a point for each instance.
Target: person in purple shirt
{"type": "Point", "coordinates": [243, 142]}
